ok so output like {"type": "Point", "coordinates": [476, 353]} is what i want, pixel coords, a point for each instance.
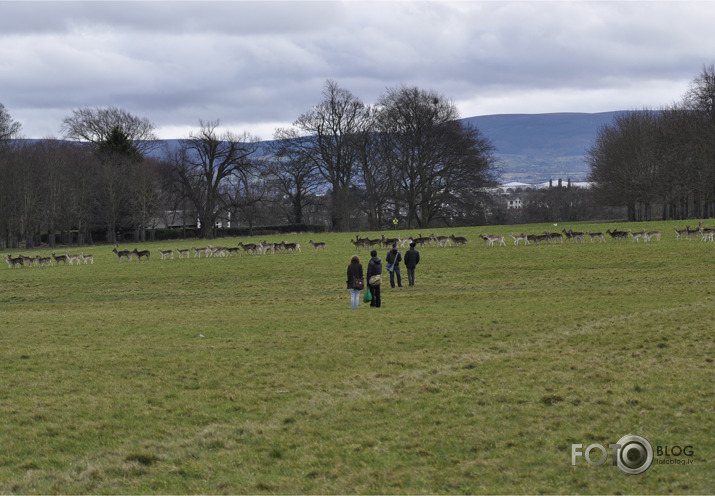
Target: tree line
{"type": "Point", "coordinates": [343, 164]}
{"type": "Point", "coordinates": [660, 162]}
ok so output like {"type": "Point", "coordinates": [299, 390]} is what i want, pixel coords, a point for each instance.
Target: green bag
{"type": "Point", "coordinates": [368, 296]}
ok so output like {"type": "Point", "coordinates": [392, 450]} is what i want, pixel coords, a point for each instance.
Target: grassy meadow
{"type": "Point", "coordinates": [252, 374]}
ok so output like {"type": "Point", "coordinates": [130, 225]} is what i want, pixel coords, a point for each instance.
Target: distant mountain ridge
{"type": "Point", "coordinates": [532, 148]}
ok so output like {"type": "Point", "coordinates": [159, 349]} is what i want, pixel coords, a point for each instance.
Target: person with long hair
{"type": "Point", "coordinates": [354, 274]}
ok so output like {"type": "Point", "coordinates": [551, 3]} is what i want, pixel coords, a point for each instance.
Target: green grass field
{"type": "Point", "coordinates": [252, 374]}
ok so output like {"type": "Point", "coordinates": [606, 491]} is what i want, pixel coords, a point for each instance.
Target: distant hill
{"type": "Point", "coordinates": [530, 148]}
{"type": "Point", "coordinates": [537, 147]}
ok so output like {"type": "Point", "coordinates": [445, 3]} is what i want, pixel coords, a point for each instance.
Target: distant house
{"type": "Point", "coordinates": [513, 192]}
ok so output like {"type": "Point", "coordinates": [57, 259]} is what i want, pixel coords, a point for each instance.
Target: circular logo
{"type": "Point", "coordinates": [635, 454]}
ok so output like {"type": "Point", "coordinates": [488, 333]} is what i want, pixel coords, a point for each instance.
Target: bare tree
{"type": "Point", "coordinates": [9, 129]}
{"type": "Point", "coordinates": [325, 137]}
{"type": "Point", "coordinates": [205, 164]}
{"type": "Point", "coordinates": [293, 177]}
{"type": "Point", "coordinates": [96, 125]}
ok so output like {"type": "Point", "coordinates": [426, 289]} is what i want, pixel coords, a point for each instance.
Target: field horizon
{"type": "Point", "coordinates": [251, 374]}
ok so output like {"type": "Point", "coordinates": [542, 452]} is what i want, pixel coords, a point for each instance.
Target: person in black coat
{"type": "Point", "coordinates": [354, 272]}
{"type": "Point", "coordinates": [374, 267]}
{"type": "Point", "coordinates": [412, 258]}
{"type": "Point", "coordinates": [394, 257]}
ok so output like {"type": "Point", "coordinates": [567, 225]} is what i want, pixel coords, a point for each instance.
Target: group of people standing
{"type": "Point", "coordinates": [374, 268]}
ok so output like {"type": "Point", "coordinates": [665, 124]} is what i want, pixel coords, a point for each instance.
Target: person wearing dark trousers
{"type": "Point", "coordinates": [374, 268]}
{"type": "Point", "coordinates": [393, 259]}
{"type": "Point", "coordinates": [412, 258]}
{"type": "Point", "coordinates": [354, 272]}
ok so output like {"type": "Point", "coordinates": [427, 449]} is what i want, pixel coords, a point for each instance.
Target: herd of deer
{"type": "Point", "coordinates": [38, 261]}
{"type": "Point", "coordinates": [385, 242]}
{"type": "Point", "coordinates": [616, 235]}
{"type": "Point", "coordinates": [262, 247]}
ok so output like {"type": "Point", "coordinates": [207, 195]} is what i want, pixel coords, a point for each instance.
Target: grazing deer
{"type": "Point", "coordinates": [45, 262]}
{"type": "Point", "coordinates": [679, 232]}
{"type": "Point", "coordinates": [86, 258]}
{"type": "Point", "coordinates": [554, 237]}
{"type": "Point", "coordinates": [166, 254]}
{"type": "Point", "coordinates": [186, 252]}
{"type": "Point", "coordinates": [292, 247]}
{"type": "Point", "coordinates": [360, 243]}
{"type": "Point", "coordinates": [140, 254]}
{"type": "Point", "coordinates": [652, 234]}
{"type": "Point", "coordinates": [491, 239]}
{"type": "Point", "coordinates": [458, 240]}
{"type": "Point", "coordinates": [321, 245]}
{"type": "Point", "coordinates": [60, 258]}
{"type": "Point", "coordinates": [691, 233]}
{"type": "Point", "coordinates": [234, 249]}
{"type": "Point", "coordinates": [596, 235]}
{"type": "Point", "coordinates": [637, 236]}
{"type": "Point", "coordinates": [122, 253]}
{"type": "Point", "coordinates": [519, 237]}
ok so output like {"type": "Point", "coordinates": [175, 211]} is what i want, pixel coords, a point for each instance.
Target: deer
{"type": "Point", "coordinates": [360, 243]}
{"type": "Point", "coordinates": [520, 237]}
{"type": "Point", "coordinates": [60, 258]}
{"type": "Point", "coordinates": [421, 240]}
{"type": "Point", "coordinates": [166, 254]}
{"type": "Point", "coordinates": [596, 235]}
{"type": "Point", "coordinates": [199, 251]}
{"type": "Point", "coordinates": [266, 246]}
{"type": "Point", "coordinates": [233, 249]}
{"type": "Point", "coordinates": [45, 261]}
{"type": "Point", "coordinates": [679, 232]}
{"type": "Point", "coordinates": [458, 240]}
{"type": "Point", "coordinates": [292, 247]}
{"type": "Point", "coordinates": [250, 248]}
{"type": "Point", "coordinates": [320, 245]}
{"type": "Point", "coordinates": [691, 233]}
{"type": "Point", "coordinates": [72, 258]}
{"type": "Point", "coordinates": [637, 236]}
{"type": "Point", "coordinates": [121, 254]}
{"type": "Point", "coordinates": [706, 233]}
{"type": "Point", "coordinates": [442, 241]}
{"type": "Point", "coordinates": [140, 254]}
{"type": "Point", "coordinates": [617, 235]}
{"type": "Point", "coordinates": [554, 236]}
{"type": "Point", "coordinates": [86, 258]}
{"type": "Point", "coordinates": [405, 241]}
{"type": "Point", "coordinates": [491, 239]}
{"type": "Point", "coordinates": [217, 251]}
{"type": "Point", "coordinates": [13, 263]}
{"type": "Point", "coordinates": [652, 234]}
{"type": "Point", "coordinates": [576, 236]}
{"type": "Point", "coordinates": [181, 253]}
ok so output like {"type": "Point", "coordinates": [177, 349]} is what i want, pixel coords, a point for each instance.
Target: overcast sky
{"type": "Point", "coordinates": [256, 66]}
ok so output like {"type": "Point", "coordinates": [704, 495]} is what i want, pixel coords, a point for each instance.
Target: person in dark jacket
{"type": "Point", "coordinates": [354, 272]}
{"type": "Point", "coordinates": [394, 257]}
{"type": "Point", "coordinates": [374, 267]}
{"type": "Point", "coordinates": [412, 258]}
